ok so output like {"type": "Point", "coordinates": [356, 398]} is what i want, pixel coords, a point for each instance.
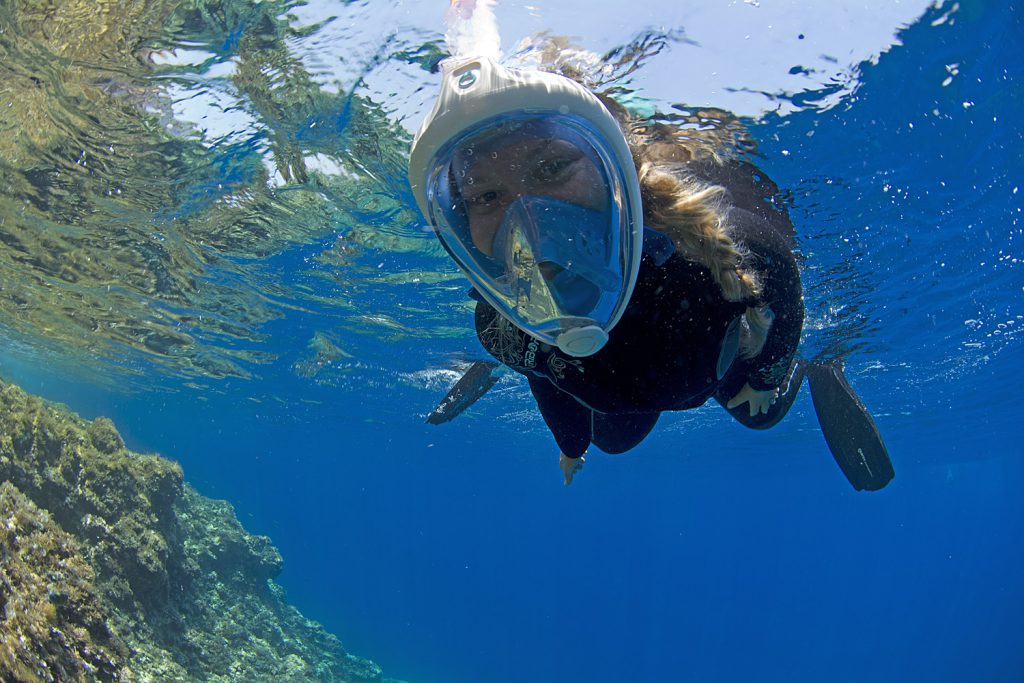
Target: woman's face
{"type": "Point", "coordinates": [491, 177]}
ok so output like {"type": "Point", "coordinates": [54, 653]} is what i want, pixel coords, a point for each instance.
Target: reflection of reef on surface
{"type": "Point", "coordinates": [122, 228]}
{"type": "Point", "coordinates": [113, 569]}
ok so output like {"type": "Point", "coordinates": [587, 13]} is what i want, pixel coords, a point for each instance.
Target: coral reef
{"type": "Point", "coordinates": [54, 625]}
{"type": "Point", "coordinates": [113, 569]}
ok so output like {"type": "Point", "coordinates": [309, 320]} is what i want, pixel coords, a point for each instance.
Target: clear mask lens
{"type": "Point", "coordinates": [531, 208]}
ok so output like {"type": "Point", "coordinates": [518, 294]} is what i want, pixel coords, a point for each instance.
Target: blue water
{"type": "Point", "coordinates": [709, 553]}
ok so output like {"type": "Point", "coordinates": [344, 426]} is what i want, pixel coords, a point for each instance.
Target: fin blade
{"type": "Point", "coordinates": [474, 384]}
{"type": "Point", "coordinates": [848, 428]}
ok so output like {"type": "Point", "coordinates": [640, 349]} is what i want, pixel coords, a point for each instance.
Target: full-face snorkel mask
{"type": "Point", "coordinates": [528, 182]}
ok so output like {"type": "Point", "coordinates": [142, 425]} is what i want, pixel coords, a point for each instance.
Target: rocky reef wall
{"type": "Point", "coordinates": [113, 569]}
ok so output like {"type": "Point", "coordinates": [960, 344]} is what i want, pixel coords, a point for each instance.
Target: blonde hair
{"type": "Point", "coordinates": [694, 213]}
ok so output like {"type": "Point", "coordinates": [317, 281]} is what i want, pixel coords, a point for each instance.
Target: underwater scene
{"type": "Point", "coordinates": [278, 381]}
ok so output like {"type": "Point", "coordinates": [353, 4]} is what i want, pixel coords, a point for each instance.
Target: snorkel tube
{"type": "Point", "coordinates": [476, 91]}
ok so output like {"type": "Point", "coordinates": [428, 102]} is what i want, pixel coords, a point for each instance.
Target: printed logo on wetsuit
{"type": "Point", "coordinates": [558, 365]}
{"type": "Point", "coordinates": [530, 359]}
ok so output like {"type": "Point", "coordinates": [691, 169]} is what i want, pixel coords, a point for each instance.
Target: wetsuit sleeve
{"type": "Point", "coordinates": [570, 421]}
{"type": "Point", "coordinates": [772, 257]}
{"type": "Point", "coordinates": [506, 346]}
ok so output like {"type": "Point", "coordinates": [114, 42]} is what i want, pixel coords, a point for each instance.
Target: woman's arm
{"type": "Point", "coordinates": [570, 422]}
{"type": "Point", "coordinates": [771, 256]}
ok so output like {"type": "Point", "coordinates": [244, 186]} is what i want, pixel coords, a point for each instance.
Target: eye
{"type": "Point", "coordinates": [550, 169]}
{"type": "Point", "coordinates": [484, 200]}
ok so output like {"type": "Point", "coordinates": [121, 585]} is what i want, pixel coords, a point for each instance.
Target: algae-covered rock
{"type": "Point", "coordinates": [120, 503]}
{"type": "Point", "coordinates": [52, 623]}
{"type": "Point", "coordinates": [216, 542]}
{"type": "Point", "coordinates": [113, 569]}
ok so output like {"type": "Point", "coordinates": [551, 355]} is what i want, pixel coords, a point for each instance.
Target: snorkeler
{"type": "Point", "coordinates": [622, 273]}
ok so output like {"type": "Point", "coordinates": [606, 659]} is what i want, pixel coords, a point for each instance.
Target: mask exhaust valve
{"type": "Point", "coordinates": [582, 341]}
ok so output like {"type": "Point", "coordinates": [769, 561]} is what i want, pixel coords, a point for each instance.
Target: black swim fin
{"type": "Point", "coordinates": [465, 393]}
{"type": "Point", "coordinates": [849, 429]}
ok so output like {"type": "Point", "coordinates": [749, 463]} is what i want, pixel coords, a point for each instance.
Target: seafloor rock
{"type": "Point", "coordinates": [53, 626]}
{"type": "Point", "coordinates": [113, 569]}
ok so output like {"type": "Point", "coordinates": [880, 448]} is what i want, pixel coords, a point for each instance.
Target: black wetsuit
{"type": "Point", "coordinates": [675, 345]}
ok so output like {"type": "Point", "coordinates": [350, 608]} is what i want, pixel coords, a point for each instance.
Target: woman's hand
{"type": "Point", "coordinates": [569, 466]}
{"type": "Point", "coordinates": [760, 401]}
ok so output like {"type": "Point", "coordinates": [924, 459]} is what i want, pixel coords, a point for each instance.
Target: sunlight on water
{"type": "Point", "coordinates": [181, 181]}
{"type": "Point", "coordinates": [472, 29]}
